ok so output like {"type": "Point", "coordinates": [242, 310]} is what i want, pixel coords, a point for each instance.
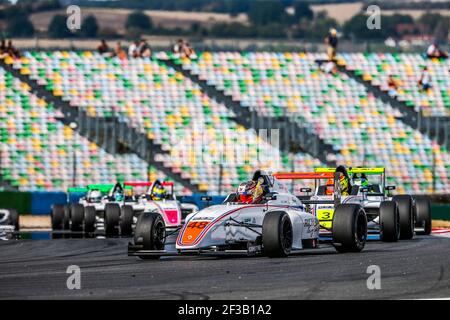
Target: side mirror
{"type": "Point", "coordinates": [390, 188]}
{"type": "Point", "coordinates": [206, 198]}
{"type": "Point", "coordinates": [270, 196]}
{"type": "Point", "coordinates": [307, 190]}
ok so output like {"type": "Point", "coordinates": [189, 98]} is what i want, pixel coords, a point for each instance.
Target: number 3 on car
{"type": "Point", "coordinates": [325, 217]}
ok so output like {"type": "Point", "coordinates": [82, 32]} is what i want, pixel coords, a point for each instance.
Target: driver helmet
{"type": "Point", "coordinates": [118, 195]}
{"type": "Point", "coordinates": [360, 180]}
{"type": "Point", "coordinates": [95, 196]}
{"type": "Point", "coordinates": [329, 188]}
{"type": "Point", "coordinates": [250, 191]}
{"type": "Point", "coordinates": [158, 192]}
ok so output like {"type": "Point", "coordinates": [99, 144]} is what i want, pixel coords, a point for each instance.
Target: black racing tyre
{"type": "Point", "coordinates": [89, 218]}
{"type": "Point", "coordinates": [66, 223]}
{"type": "Point", "coordinates": [423, 214]}
{"type": "Point", "coordinates": [406, 213]}
{"type": "Point", "coordinates": [57, 217]}
{"type": "Point", "coordinates": [349, 228]}
{"type": "Point", "coordinates": [14, 218]}
{"type": "Point", "coordinates": [112, 216]}
{"type": "Point", "coordinates": [150, 232]}
{"type": "Point", "coordinates": [126, 220]}
{"type": "Point", "coordinates": [389, 221]}
{"type": "Point", "coordinates": [277, 234]}
{"type": "Point", "coordinates": [76, 217]}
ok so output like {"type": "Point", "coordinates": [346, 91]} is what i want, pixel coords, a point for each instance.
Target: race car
{"type": "Point", "coordinates": [9, 222]}
{"type": "Point", "coordinates": [376, 191]}
{"type": "Point", "coordinates": [261, 217]}
{"type": "Point", "coordinates": [89, 211]}
{"type": "Point", "coordinates": [392, 218]}
{"type": "Point", "coordinates": [159, 198]}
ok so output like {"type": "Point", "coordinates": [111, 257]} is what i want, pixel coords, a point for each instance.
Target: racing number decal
{"type": "Point", "coordinates": [325, 217]}
{"type": "Point", "coordinates": [192, 231]}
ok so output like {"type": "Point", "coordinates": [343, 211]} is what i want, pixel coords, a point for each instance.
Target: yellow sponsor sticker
{"type": "Point", "coordinates": [325, 217]}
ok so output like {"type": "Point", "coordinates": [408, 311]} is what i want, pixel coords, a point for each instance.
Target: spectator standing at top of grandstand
{"type": "Point", "coordinates": [119, 52]}
{"type": "Point", "coordinates": [144, 49]}
{"type": "Point", "coordinates": [103, 49]}
{"type": "Point", "coordinates": [188, 51]}
{"type": "Point", "coordinates": [434, 51]}
{"type": "Point", "coordinates": [133, 49]}
{"type": "Point", "coordinates": [425, 80]}
{"type": "Point", "coordinates": [182, 49]}
{"type": "Point", "coordinates": [332, 42]}
{"type": "Point", "coordinates": [3, 52]}
{"type": "Point", "coordinates": [178, 47]}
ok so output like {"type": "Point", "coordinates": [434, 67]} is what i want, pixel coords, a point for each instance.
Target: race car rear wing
{"type": "Point", "coordinates": [132, 184]}
{"type": "Point", "coordinates": [315, 176]}
{"type": "Point", "coordinates": [374, 170]}
{"type": "Point", "coordinates": [363, 170]}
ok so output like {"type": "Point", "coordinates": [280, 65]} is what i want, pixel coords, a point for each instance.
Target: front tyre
{"type": "Point", "coordinates": [150, 233]}
{"type": "Point", "coordinates": [349, 228]}
{"type": "Point", "coordinates": [277, 234]}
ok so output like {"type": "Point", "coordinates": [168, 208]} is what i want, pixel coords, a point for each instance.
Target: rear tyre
{"type": "Point", "coordinates": [14, 218]}
{"type": "Point", "coordinates": [57, 217]}
{"type": "Point", "coordinates": [112, 216]}
{"type": "Point", "coordinates": [277, 234]}
{"type": "Point", "coordinates": [406, 213]}
{"type": "Point", "coordinates": [126, 220]}
{"type": "Point", "coordinates": [389, 221]}
{"type": "Point", "coordinates": [150, 233]}
{"type": "Point", "coordinates": [76, 217]}
{"type": "Point", "coordinates": [349, 228]}
{"type": "Point", "coordinates": [89, 218]}
{"type": "Point", "coordinates": [423, 212]}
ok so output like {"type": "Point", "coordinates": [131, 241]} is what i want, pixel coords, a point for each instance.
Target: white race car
{"type": "Point", "coordinates": [9, 222]}
{"type": "Point", "coordinates": [124, 215]}
{"type": "Point", "coordinates": [276, 227]}
{"type": "Point", "coordinates": [393, 218]}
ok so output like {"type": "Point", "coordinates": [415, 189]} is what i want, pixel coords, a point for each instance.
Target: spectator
{"type": "Point", "coordinates": [434, 51]}
{"type": "Point", "coordinates": [144, 49]}
{"type": "Point", "coordinates": [425, 80]}
{"type": "Point", "coordinates": [119, 52]}
{"type": "Point", "coordinates": [3, 52]}
{"type": "Point", "coordinates": [393, 86]}
{"type": "Point", "coordinates": [328, 67]}
{"type": "Point", "coordinates": [103, 49]}
{"type": "Point", "coordinates": [188, 51]}
{"type": "Point", "coordinates": [133, 50]}
{"type": "Point", "coordinates": [12, 51]}
{"type": "Point", "coordinates": [332, 42]}
{"type": "Point", "coordinates": [178, 47]}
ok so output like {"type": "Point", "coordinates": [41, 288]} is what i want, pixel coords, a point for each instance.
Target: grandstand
{"type": "Point", "coordinates": [194, 130]}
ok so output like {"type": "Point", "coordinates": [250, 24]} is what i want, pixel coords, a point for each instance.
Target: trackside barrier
{"type": "Point", "coordinates": [42, 201]}
{"type": "Point", "coordinates": [39, 202]}
{"type": "Point", "coordinates": [440, 211]}
{"type": "Point", "coordinates": [16, 200]}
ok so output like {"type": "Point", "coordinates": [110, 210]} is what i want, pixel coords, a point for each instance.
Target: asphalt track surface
{"type": "Point", "coordinates": [36, 269]}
